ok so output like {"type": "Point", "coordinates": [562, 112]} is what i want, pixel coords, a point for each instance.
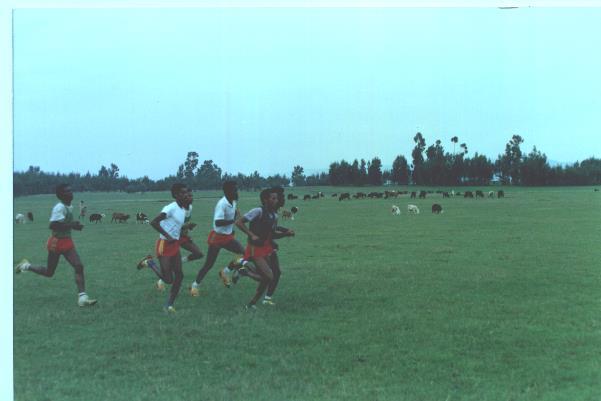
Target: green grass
{"type": "Point", "coordinates": [495, 299]}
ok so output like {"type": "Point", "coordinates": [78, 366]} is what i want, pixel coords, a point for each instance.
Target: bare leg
{"type": "Point", "coordinates": [274, 263]}
{"type": "Point", "coordinates": [50, 268]}
{"type": "Point", "coordinates": [195, 252]}
{"type": "Point", "coordinates": [264, 271]}
{"type": "Point", "coordinates": [178, 276]}
{"type": "Point", "coordinates": [73, 258]}
{"type": "Point", "coordinates": [212, 254]}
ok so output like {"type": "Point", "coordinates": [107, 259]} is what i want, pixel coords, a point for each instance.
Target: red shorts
{"type": "Point", "coordinates": [164, 248]}
{"type": "Point", "coordinates": [59, 245]}
{"type": "Point", "coordinates": [184, 238]}
{"type": "Point", "coordinates": [253, 251]}
{"type": "Point", "coordinates": [219, 240]}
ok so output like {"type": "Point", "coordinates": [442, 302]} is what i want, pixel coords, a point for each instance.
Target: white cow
{"type": "Point", "coordinates": [412, 209]}
{"type": "Point", "coordinates": [20, 218]}
{"type": "Point", "coordinates": [395, 210]}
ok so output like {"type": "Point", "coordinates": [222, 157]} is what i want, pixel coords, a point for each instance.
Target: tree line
{"type": "Point", "coordinates": [430, 165]}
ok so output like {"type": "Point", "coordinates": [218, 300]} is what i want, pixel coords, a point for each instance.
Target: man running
{"type": "Point", "coordinates": [60, 243]}
{"type": "Point", "coordinates": [221, 236]}
{"type": "Point", "coordinates": [184, 240]}
{"type": "Point", "coordinates": [262, 230]}
{"type": "Point", "coordinates": [169, 224]}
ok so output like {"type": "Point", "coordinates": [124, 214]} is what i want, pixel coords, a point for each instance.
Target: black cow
{"type": "Point", "coordinates": [120, 217]}
{"type": "Point", "coordinates": [344, 196]}
{"type": "Point", "coordinates": [96, 217]}
{"type": "Point", "coordinates": [141, 217]}
{"type": "Point", "coordinates": [334, 195]}
{"type": "Point", "coordinates": [422, 194]}
{"type": "Point", "coordinates": [30, 216]}
{"type": "Point", "coordinates": [307, 197]}
{"type": "Point", "coordinates": [436, 208]}
{"type": "Point", "coordinates": [468, 194]}
{"type": "Point", "coordinates": [500, 194]}
{"type": "Point", "coordinates": [413, 195]}
{"type": "Point", "coordinates": [446, 195]}
{"type": "Point", "coordinates": [479, 194]}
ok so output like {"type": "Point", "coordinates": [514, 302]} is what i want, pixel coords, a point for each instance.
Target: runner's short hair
{"type": "Point", "coordinates": [177, 188]}
{"type": "Point", "coordinates": [60, 188]}
{"type": "Point", "coordinates": [229, 186]}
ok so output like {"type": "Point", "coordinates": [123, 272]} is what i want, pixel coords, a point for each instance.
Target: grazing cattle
{"type": "Point", "coordinates": [468, 194]}
{"type": "Point", "coordinates": [373, 195]}
{"type": "Point", "coordinates": [412, 209]}
{"type": "Point", "coordinates": [321, 195]}
{"type": "Point", "coordinates": [479, 194]}
{"type": "Point", "coordinates": [120, 217]}
{"type": "Point", "coordinates": [96, 217]}
{"type": "Point", "coordinates": [446, 195]}
{"type": "Point", "coordinates": [395, 210]}
{"type": "Point", "coordinates": [491, 194]}
{"type": "Point", "coordinates": [453, 192]}
{"type": "Point", "coordinates": [422, 194]}
{"type": "Point", "coordinates": [30, 216]}
{"type": "Point", "coordinates": [294, 209]}
{"type": "Point", "coordinates": [307, 197]}
{"type": "Point", "coordinates": [359, 195]}
{"type": "Point", "coordinates": [500, 194]}
{"type": "Point", "coordinates": [287, 215]}
{"type": "Point", "coordinates": [413, 195]}
{"type": "Point", "coordinates": [344, 196]}
{"type": "Point", "coordinates": [391, 194]}
{"type": "Point", "coordinates": [315, 196]}
{"type": "Point", "coordinates": [436, 208]}
{"type": "Point", "coordinates": [596, 190]}
{"type": "Point", "coordinates": [20, 218]}
{"type": "Point", "coordinates": [142, 218]}
{"type": "Point", "coordinates": [292, 197]}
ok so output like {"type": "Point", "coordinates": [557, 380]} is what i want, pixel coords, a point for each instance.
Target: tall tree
{"type": "Point", "coordinates": [535, 169]}
{"type": "Point", "coordinates": [400, 171]}
{"type": "Point", "coordinates": [190, 164]}
{"type": "Point", "coordinates": [298, 176]}
{"type": "Point", "coordinates": [374, 172]}
{"type": "Point", "coordinates": [208, 175]}
{"type": "Point", "coordinates": [113, 171]}
{"type": "Point", "coordinates": [417, 156]}
{"type": "Point", "coordinates": [454, 140]}
{"type": "Point", "coordinates": [508, 165]}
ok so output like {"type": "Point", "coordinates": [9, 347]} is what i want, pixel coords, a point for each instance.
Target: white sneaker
{"type": "Point", "coordinates": [84, 300]}
{"type": "Point", "coordinates": [22, 266]}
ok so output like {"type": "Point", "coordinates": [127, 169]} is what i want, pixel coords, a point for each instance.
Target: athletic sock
{"type": "Point", "coordinates": [83, 294]}
{"type": "Point", "coordinates": [195, 284]}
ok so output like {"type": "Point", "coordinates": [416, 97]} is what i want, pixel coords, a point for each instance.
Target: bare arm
{"type": "Point", "coordinates": [281, 232]}
{"type": "Point", "coordinates": [61, 226]}
{"type": "Point", "coordinates": [241, 224]}
{"type": "Point", "coordinates": [155, 223]}
{"type": "Point", "coordinates": [223, 222]}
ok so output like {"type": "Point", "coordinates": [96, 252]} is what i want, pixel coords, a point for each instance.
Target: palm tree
{"type": "Point", "coordinates": [464, 147]}
{"type": "Point", "coordinates": [454, 140]}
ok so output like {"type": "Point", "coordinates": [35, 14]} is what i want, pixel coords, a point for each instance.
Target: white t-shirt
{"type": "Point", "coordinates": [224, 211]}
{"type": "Point", "coordinates": [174, 221]}
{"type": "Point", "coordinates": [60, 211]}
{"type": "Point", "coordinates": [188, 213]}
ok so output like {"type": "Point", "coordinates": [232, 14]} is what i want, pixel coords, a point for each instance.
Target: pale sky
{"type": "Point", "coordinates": [268, 88]}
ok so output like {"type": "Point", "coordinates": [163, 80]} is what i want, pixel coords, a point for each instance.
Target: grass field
{"type": "Point", "coordinates": [495, 299]}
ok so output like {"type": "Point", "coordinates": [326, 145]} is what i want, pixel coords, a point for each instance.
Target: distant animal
{"type": "Point", "coordinates": [413, 195]}
{"type": "Point", "coordinates": [596, 190]}
{"type": "Point", "coordinates": [468, 194]}
{"type": "Point", "coordinates": [479, 194]}
{"type": "Point", "coordinates": [500, 194]}
{"type": "Point", "coordinates": [30, 216]}
{"type": "Point", "coordinates": [96, 217]}
{"type": "Point", "coordinates": [141, 217]}
{"type": "Point", "coordinates": [422, 194]}
{"type": "Point", "coordinates": [436, 208]}
{"type": "Point", "coordinates": [446, 195]}
{"type": "Point", "coordinates": [334, 195]}
{"type": "Point", "coordinates": [20, 218]}
{"type": "Point", "coordinates": [344, 196]}
{"type": "Point", "coordinates": [294, 209]}
{"type": "Point", "coordinates": [292, 197]}
{"type": "Point", "coordinates": [491, 194]}
{"type": "Point", "coordinates": [307, 197]}
{"type": "Point", "coordinates": [453, 192]}
{"type": "Point", "coordinates": [321, 195]}
{"type": "Point", "coordinates": [412, 209]}
{"type": "Point", "coordinates": [315, 196]}
{"type": "Point", "coordinates": [286, 214]}
{"type": "Point", "coordinates": [359, 195]}
{"type": "Point", "coordinates": [120, 217]}
{"type": "Point", "coordinates": [395, 210]}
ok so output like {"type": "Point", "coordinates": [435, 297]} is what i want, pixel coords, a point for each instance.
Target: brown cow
{"type": "Point", "coordinates": [120, 217]}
